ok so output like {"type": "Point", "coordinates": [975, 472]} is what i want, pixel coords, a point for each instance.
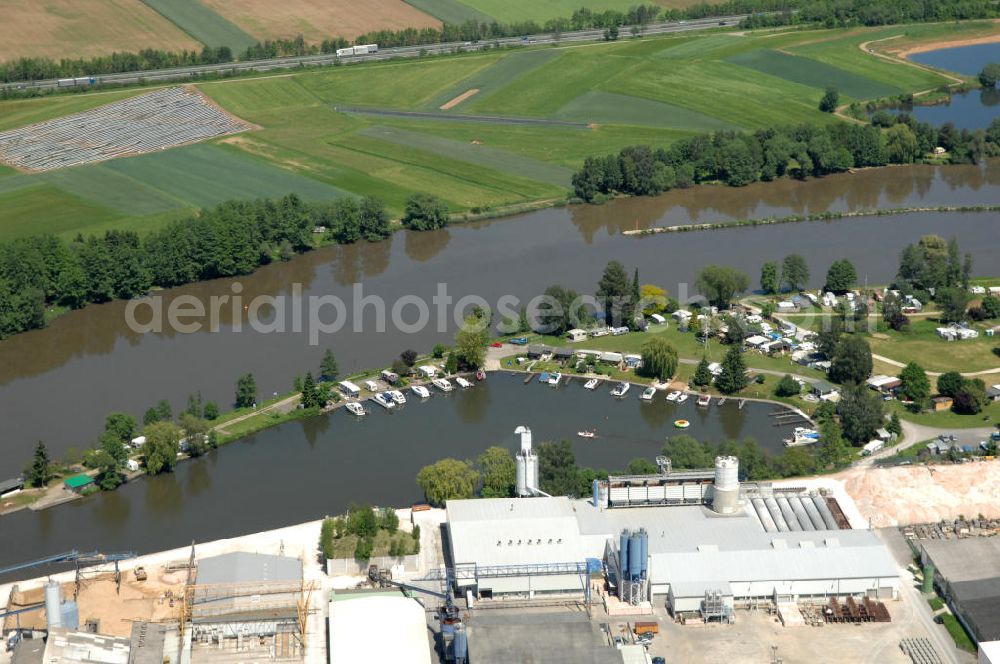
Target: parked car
{"type": "Point", "coordinates": [496, 344]}
{"type": "Point", "coordinates": [519, 341]}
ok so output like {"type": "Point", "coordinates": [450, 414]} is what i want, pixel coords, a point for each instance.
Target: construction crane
{"type": "Point", "coordinates": [80, 560]}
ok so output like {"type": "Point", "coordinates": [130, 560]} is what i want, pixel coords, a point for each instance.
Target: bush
{"type": "Point", "coordinates": [363, 551]}
{"type": "Point", "coordinates": [787, 387]}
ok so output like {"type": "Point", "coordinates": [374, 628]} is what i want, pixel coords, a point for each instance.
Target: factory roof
{"type": "Point", "coordinates": [147, 643]}
{"type": "Point", "coordinates": [968, 559]}
{"type": "Point", "coordinates": [358, 629]}
{"type": "Point", "coordinates": [244, 567]}
{"type": "Point", "coordinates": [64, 646]}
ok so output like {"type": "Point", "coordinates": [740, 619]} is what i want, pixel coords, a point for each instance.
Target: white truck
{"type": "Point", "coordinates": [365, 49]}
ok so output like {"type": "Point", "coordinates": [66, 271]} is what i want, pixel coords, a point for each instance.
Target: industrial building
{"type": "Point", "coordinates": [358, 629]}
{"type": "Point", "coordinates": [703, 539]}
{"type": "Point", "coordinates": [967, 573]}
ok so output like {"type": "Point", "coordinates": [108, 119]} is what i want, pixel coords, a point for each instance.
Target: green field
{"type": "Point", "coordinates": [633, 91]}
{"type": "Point", "coordinates": [203, 24]}
{"type": "Point", "coordinates": [514, 11]}
{"type": "Point", "coordinates": [450, 11]}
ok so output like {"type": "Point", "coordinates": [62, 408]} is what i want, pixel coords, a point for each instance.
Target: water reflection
{"type": "Point", "coordinates": [422, 247]}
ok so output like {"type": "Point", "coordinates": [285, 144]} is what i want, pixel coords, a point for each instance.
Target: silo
{"type": "Point", "coordinates": [527, 465]}
{"type": "Point", "coordinates": [53, 604]}
{"type": "Point", "coordinates": [824, 511]}
{"type": "Point", "coordinates": [635, 555]}
{"type": "Point", "coordinates": [788, 514]}
{"type": "Point", "coordinates": [775, 512]}
{"type": "Point", "coordinates": [461, 644]}
{"type": "Point", "coordinates": [522, 482]}
{"type": "Point", "coordinates": [764, 515]}
{"type": "Point", "coordinates": [814, 515]}
{"type": "Point", "coordinates": [644, 552]}
{"type": "Point", "coordinates": [800, 513]}
{"type": "Point", "coordinates": [726, 491]}
{"type": "Point", "coordinates": [623, 553]}
{"type": "Point", "coordinates": [600, 494]}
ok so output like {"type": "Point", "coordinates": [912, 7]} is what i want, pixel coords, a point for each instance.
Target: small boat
{"type": "Point", "coordinates": [586, 434]}
{"type": "Point", "coordinates": [480, 375]}
{"type": "Point", "coordinates": [621, 389]}
{"type": "Point", "coordinates": [554, 379]}
{"type": "Point", "coordinates": [682, 424]}
{"type": "Point", "coordinates": [673, 395]}
{"type": "Point", "coordinates": [721, 401]}
{"type": "Point", "coordinates": [704, 401]}
{"type": "Point", "coordinates": [682, 398]}
{"type": "Point", "coordinates": [443, 384]}
{"type": "Point", "coordinates": [384, 399]}
{"type": "Point", "coordinates": [355, 408]}
{"type": "Point", "coordinates": [802, 436]}
{"type": "Point", "coordinates": [648, 394]}
{"type": "Point", "coordinates": [462, 382]}
{"type": "Point", "coordinates": [397, 397]}
{"type": "Point", "coordinates": [591, 384]}
{"type": "Point", "coordinates": [543, 377]}
{"type": "Point", "coordinates": [420, 391]}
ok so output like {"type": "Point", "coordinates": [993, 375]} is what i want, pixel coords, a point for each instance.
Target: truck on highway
{"type": "Point", "coordinates": [365, 49]}
{"type": "Point", "coordinates": [74, 82]}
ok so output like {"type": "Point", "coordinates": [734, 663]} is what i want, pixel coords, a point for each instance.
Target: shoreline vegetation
{"type": "Point", "coordinates": [822, 216]}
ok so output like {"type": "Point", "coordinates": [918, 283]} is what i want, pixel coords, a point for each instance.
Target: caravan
{"type": "Point", "coordinates": [349, 389]}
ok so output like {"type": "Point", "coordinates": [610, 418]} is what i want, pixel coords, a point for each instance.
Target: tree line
{"type": "Point", "coordinates": [845, 13]}
{"type": "Point", "coordinates": [33, 69]}
{"type": "Point", "coordinates": [738, 159]}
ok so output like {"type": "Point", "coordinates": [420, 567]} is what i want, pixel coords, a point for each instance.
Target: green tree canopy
{"type": "Point", "coordinates": [860, 410]}
{"type": "Point", "coordinates": [769, 277]}
{"type": "Point", "coordinates": [558, 473]}
{"type": "Point", "coordinates": [794, 272]}
{"type": "Point", "coordinates": [949, 383]}
{"type": "Point", "coordinates": [40, 470]}
{"type": "Point", "coordinates": [989, 75]}
{"type": "Point", "coordinates": [841, 277]}
{"type": "Point", "coordinates": [498, 471]}
{"type": "Point", "coordinates": [659, 359]}
{"type": "Point", "coordinates": [328, 368]}
{"type": "Point", "coordinates": [120, 426]}
{"type": "Point", "coordinates": [720, 284]}
{"type": "Point", "coordinates": [161, 447]}
{"type": "Point", "coordinates": [447, 479]}
{"type": "Point", "coordinates": [915, 385]}
{"type": "Point", "coordinates": [614, 292]}
{"type": "Point", "coordinates": [953, 303]}
{"type": "Point", "coordinates": [702, 375]}
{"type": "Point", "coordinates": [787, 387]}
{"type": "Point", "coordinates": [425, 212]}
{"type": "Point", "coordinates": [471, 341]}
{"type": "Point", "coordinates": [734, 372]}
{"type": "Point", "coordinates": [971, 397]}
{"type": "Point", "coordinates": [828, 104]}
{"type": "Point", "coordinates": [687, 452]}
{"type": "Point", "coordinates": [246, 391]}
{"type": "Point", "coordinates": [852, 360]}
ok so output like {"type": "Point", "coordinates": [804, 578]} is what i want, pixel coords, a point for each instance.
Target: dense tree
{"type": "Point", "coordinates": [860, 411]}
{"type": "Point", "coordinates": [310, 397]}
{"type": "Point", "coordinates": [560, 311]}
{"type": "Point", "coordinates": [120, 426]}
{"type": "Point", "coordinates": [614, 292]}
{"type": "Point", "coordinates": [828, 104]}
{"type": "Point", "coordinates": [702, 375]}
{"type": "Point", "coordinates": [915, 385]}
{"type": "Point", "coordinates": [949, 383]}
{"type": "Point", "coordinates": [841, 277]}
{"type": "Point", "coordinates": [425, 212]}
{"type": "Point", "coordinates": [686, 452]}
{"type": "Point", "coordinates": [328, 368]}
{"type": "Point", "coordinates": [373, 219]}
{"type": "Point", "coordinates": [40, 471]}
{"type": "Point", "coordinates": [852, 360]}
{"type": "Point", "coordinates": [953, 303]}
{"type": "Point", "coordinates": [971, 397]}
{"type": "Point", "coordinates": [558, 473]}
{"type": "Point", "coordinates": [787, 387]}
{"type": "Point", "coordinates": [833, 451]}
{"type": "Point", "coordinates": [829, 336]}
{"type": "Point", "coordinates": [161, 447]}
{"type": "Point", "coordinates": [659, 359]}
{"type": "Point", "coordinates": [654, 299]}
{"type": "Point", "coordinates": [720, 284]}
{"type": "Point", "coordinates": [991, 306]}
{"type": "Point", "coordinates": [447, 479]}
{"type": "Point", "coordinates": [769, 277]}
{"type": "Point", "coordinates": [895, 426]}
{"type": "Point", "coordinates": [109, 470]}
{"type": "Point", "coordinates": [794, 272]}
{"type": "Point", "coordinates": [409, 357]}
{"type": "Point", "coordinates": [471, 341]}
{"type": "Point", "coordinates": [734, 372]}
{"type": "Point", "coordinates": [211, 411]}
{"type": "Point", "coordinates": [989, 75]}
{"type": "Point", "coordinates": [246, 391]}
{"type": "Point", "coordinates": [496, 465]}
{"type": "Point", "coordinates": [926, 265]}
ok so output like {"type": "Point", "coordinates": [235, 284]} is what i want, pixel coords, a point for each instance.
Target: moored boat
{"type": "Point", "coordinates": [463, 383]}
{"type": "Point", "coordinates": [420, 391]}
{"type": "Point", "coordinates": [443, 384]}
{"type": "Point", "coordinates": [648, 394]}
{"type": "Point", "coordinates": [673, 395]}
{"type": "Point", "coordinates": [397, 397]}
{"type": "Point", "coordinates": [384, 399]}
{"type": "Point", "coordinates": [355, 408]}
{"type": "Point", "coordinates": [704, 400]}
{"type": "Point", "coordinates": [591, 384]}
{"type": "Point", "coordinates": [621, 389]}
{"type": "Point", "coordinates": [682, 398]}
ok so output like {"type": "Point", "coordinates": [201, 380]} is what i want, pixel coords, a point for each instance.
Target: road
{"type": "Point", "coordinates": [293, 62]}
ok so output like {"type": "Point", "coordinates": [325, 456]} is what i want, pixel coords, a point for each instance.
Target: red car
{"type": "Point", "coordinates": [496, 344]}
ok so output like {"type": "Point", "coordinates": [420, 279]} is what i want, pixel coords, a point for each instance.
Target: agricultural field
{"type": "Point", "coordinates": [84, 28]}
{"type": "Point", "coordinates": [309, 140]}
{"type": "Point", "coordinates": [513, 11]}
{"type": "Point", "coordinates": [317, 20]}
{"type": "Point", "coordinates": [205, 25]}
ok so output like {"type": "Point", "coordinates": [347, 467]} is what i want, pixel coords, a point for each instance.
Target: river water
{"type": "Point", "coordinates": [58, 384]}
{"type": "Point", "coordinates": [305, 469]}
{"type": "Point", "coordinates": [971, 110]}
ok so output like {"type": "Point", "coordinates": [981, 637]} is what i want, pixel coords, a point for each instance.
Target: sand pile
{"type": "Point", "coordinates": [922, 494]}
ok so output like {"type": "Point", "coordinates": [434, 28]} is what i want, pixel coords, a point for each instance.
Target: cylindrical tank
{"type": "Point", "coordinates": [800, 513]}
{"type": "Point", "coordinates": [775, 512]}
{"type": "Point", "coordinates": [623, 553]}
{"type": "Point", "coordinates": [522, 479]}
{"type": "Point", "coordinates": [788, 514]}
{"type": "Point", "coordinates": [644, 555]}
{"type": "Point", "coordinates": [765, 517]}
{"type": "Point", "coordinates": [531, 472]}
{"type": "Point", "coordinates": [53, 604]}
{"type": "Point", "coordinates": [824, 511]}
{"type": "Point", "coordinates": [600, 494]}
{"type": "Point", "coordinates": [727, 472]}
{"type": "Point", "coordinates": [525, 435]}
{"type": "Point", "coordinates": [461, 644]}
{"type": "Point", "coordinates": [635, 555]}
{"type": "Point", "coordinates": [814, 515]}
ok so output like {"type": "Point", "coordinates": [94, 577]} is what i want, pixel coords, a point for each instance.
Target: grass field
{"type": "Point", "coordinates": [84, 28]}
{"type": "Point", "coordinates": [317, 20]}
{"type": "Point", "coordinates": [921, 344]}
{"type": "Point", "coordinates": [450, 11]}
{"type": "Point", "coordinates": [512, 11]}
{"type": "Point", "coordinates": [634, 91]}
{"type": "Point", "coordinates": [205, 25]}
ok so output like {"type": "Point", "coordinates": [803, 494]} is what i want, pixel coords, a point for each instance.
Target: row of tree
{"type": "Point", "coordinates": [33, 69]}
{"type": "Point", "coordinates": [738, 159]}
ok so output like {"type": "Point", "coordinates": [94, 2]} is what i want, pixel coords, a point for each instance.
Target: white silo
{"type": "Point", "coordinates": [726, 491]}
{"type": "Point", "coordinates": [527, 464]}
{"type": "Point", "coordinates": [53, 604]}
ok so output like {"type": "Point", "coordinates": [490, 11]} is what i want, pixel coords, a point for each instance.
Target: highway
{"type": "Point", "coordinates": [326, 59]}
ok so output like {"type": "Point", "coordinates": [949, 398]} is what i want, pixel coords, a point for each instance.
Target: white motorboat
{"type": "Point", "coordinates": [802, 436]}
{"type": "Point", "coordinates": [355, 408]}
{"type": "Point", "coordinates": [397, 397]}
{"type": "Point", "coordinates": [462, 382]}
{"type": "Point", "coordinates": [554, 379]}
{"type": "Point", "coordinates": [682, 398]}
{"type": "Point", "coordinates": [648, 394]}
{"type": "Point", "coordinates": [443, 384]}
{"type": "Point", "coordinates": [591, 384]}
{"type": "Point", "coordinates": [420, 391]}
{"type": "Point", "coordinates": [384, 399]}
{"type": "Point", "coordinates": [705, 400]}
{"type": "Point", "coordinates": [586, 434]}
{"type": "Point", "coordinates": [620, 390]}
{"type": "Point", "coordinates": [673, 395]}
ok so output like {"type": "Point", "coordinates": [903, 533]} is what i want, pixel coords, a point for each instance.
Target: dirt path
{"type": "Point", "coordinates": [458, 100]}
{"type": "Point", "coordinates": [282, 406]}
{"type": "Point", "coordinates": [864, 46]}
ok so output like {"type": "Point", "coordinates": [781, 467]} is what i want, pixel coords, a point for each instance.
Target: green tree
{"type": "Point", "coordinates": [151, 415]}
{"type": "Point", "coordinates": [613, 290]}
{"type": "Point", "coordinates": [860, 411]}
{"type": "Point", "coordinates": [328, 368]}
{"type": "Point", "coordinates": [915, 385]}
{"type": "Point", "coordinates": [794, 272]}
{"type": "Point", "coordinates": [115, 448]}
{"type": "Point", "coordinates": [109, 476]}
{"type": "Point", "coordinates": [787, 387]}
{"type": "Point", "coordinates": [120, 426]}
{"type": "Point", "coordinates": [795, 462]}
{"type": "Point", "coordinates": [769, 277]}
{"type": "Point", "coordinates": [246, 391]}
{"type": "Point", "coordinates": [949, 383]}
{"type": "Point", "coordinates": [425, 212]}
{"type": "Point", "coordinates": [373, 219]}
{"type": "Point", "coordinates": [687, 452]}
{"type": "Point", "coordinates": [702, 375]}
{"type": "Point", "coordinates": [40, 470]}
{"type": "Point", "coordinates": [833, 451]}
{"type": "Point", "coordinates": [309, 395]}
{"type": "Point", "coordinates": [446, 480]}
{"type": "Point", "coordinates": [659, 359]}
{"type": "Point", "coordinates": [498, 471]}
{"type": "Point", "coordinates": [164, 412]}
{"type": "Point", "coordinates": [734, 372]}
{"type": "Point", "coordinates": [211, 411]}
{"type": "Point", "coordinates": [989, 75]}
{"type": "Point", "coordinates": [409, 357]}
{"type": "Point", "coordinates": [560, 311]}
{"type": "Point", "coordinates": [895, 426]}
{"type": "Point", "coordinates": [852, 360]}
{"type": "Point", "coordinates": [901, 144]}
{"type": "Point", "coordinates": [720, 284]}
{"type": "Point", "coordinates": [558, 473]}
{"type": "Point", "coordinates": [991, 306]}
{"type": "Point", "coordinates": [953, 303]}
{"type": "Point", "coordinates": [471, 341]}
{"type": "Point", "coordinates": [841, 276]}
{"type": "Point", "coordinates": [971, 397]}
{"type": "Point", "coordinates": [194, 405]}
{"type": "Point", "coordinates": [654, 299]}
{"type": "Point", "coordinates": [161, 447]}
{"type": "Point", "coordinates": [641, 466]}
{"type": "Point", "coordinates": [828, 104]}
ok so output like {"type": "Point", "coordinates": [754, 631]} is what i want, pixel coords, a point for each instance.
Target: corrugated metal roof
{"type": "Point", "coordinates": [244, 567]}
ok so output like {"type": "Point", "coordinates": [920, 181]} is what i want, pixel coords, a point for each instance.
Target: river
{"type": "Point", "coordinates": [58, 384]}
{"type": "Point", "coordinates": [305, 469]}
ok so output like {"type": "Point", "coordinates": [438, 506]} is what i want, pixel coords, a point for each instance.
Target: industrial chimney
{"type": "Point", "coordinates": [527, 465]}
{"type": "Point", "coordinates": [726, 492]}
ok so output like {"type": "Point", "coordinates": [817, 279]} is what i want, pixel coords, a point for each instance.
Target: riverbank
{"type": "Point", "coordinates": [926, 47]}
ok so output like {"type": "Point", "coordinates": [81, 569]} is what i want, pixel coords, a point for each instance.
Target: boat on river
{"type": "Point", "coordinates": [463, 383]}
{"type": "Point", "coordinates": [587, 433]}
{"type": "Point", "coordinates": [591, 384]}
{"type": "Point", "coordinates": [384, 399]}
{"type": "Point", "coordinates": [648, 394]}
{"type": "Point", "coordinates": [480, 375]}
{"type": "Point", "coordinates": [443, 384]}
{"type": "Point", "coordinates": [673, 395]}
{"type": "Point", "coordinates": [354, 408]}
{"type": "Point", "coordinates": [421, 391]}
{"type": "Point", "coordinates": [704, 400]}
{"type": "Point", "coordinates": [802, 436]}
{"type": "Point", "coordinates": [398, 397]}
{"type": "Point", "coordinates": [554, 379]}
{"type": "Point", "coordinates": [621, 389]}
{"type": "Point", "coordinates": [682, 398]}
